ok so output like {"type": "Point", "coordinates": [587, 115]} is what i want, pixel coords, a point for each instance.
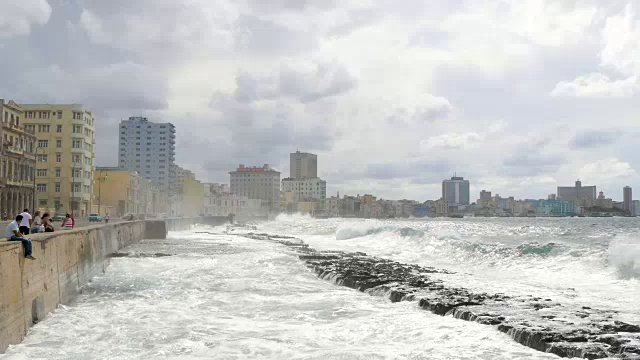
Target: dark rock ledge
{"type": "Point", "coordinates": [541, 324]}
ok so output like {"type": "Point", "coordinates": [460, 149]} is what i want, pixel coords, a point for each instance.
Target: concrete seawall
{"type": "Point", "coordinates": [65, 262]}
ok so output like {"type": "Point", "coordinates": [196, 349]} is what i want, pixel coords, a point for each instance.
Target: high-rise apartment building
{"type": "Point", "coordinates": [456, 191]}
{"type": "Point", "coordinates": [257, 183]}
{"type": "Point", "coordinates": [485, 198]}
{"type": "Point", "coordinates": [303, 165]}
{"type": "Point", "coordinates": [17, 161]}
{"type": "Point", "coordinates": [65, 155]}
{"type": "Point", "coordinates": [627, 199]}
{"type": "Point", "coordinates": [149, 149]}
{"type": "Point", "coordinates": [578, 194]}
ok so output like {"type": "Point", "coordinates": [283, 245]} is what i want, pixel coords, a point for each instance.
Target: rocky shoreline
{"type": "Point", "coordinates": [538, 323]}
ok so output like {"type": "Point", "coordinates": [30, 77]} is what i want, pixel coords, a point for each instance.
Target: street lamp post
{"type": "Point", "coordinates": [35, 170]}
{"type": "Point", "coordinates": [100, 179]}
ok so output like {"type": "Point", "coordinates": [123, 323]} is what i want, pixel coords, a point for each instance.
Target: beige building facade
{"type": "Point", "coordinates": [65, 154]}
{"type": "Point", "coordinates": [17, 160]}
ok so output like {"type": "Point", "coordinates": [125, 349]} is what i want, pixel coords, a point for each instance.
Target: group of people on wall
{"type": "Point", "coordinates": [24, 224]}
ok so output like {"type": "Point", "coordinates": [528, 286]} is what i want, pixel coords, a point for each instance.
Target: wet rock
{"type": "Point", "coordinates": [539, 323]}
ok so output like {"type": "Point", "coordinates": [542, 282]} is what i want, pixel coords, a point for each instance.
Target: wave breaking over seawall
{"type": "Point", "coordinates": [539, 323]}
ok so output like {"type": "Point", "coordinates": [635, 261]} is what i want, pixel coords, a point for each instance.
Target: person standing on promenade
{"type": "Point", "coordinates": [25, 224]}
{"type": "Point", "coordinates": [67, 223]}
{"type": "Point", "coordinates": [37, 223]}
{"type": "Point", "coordinates": [14, 234]}
{"type": "Point", "coordinates": [106, 218]}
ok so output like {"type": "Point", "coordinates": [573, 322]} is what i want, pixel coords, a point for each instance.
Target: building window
{"type": "Point", "coordinates": [41, 172]}
{"type": "Point", "coordinates": [77, 129]}
{"type": "Point", "coordinates": [77, 115]}
{"type": "Point", "coordinates": [57, 172]}
{"type": "Point", "coordinates": [58, 157]}
{"type": "Point", "coordinates": [43, 143]}
{"type": "Point", "coordinates": [59, 128]}
{"type": "Point", "coordinates": [58, 143]}
{"type": "Point", "coordinates": [57, 187]}
{"type": "Point", "coordinates": [59, 114]}
{"type": "Point", "coordinates": [77, 158]}
{"type": "Point", "coordinates": [43, 128]}
{"type": "Point", "coordinates": [42, 187]}
{"type": "Point", "coordinates": [75, 187]}
{"type": "Point", "coordinates": [77, 144]}
{"type": "Point", "coordinates": [42, 157]}
{"type": "Point", "coordinates": [43, 203]}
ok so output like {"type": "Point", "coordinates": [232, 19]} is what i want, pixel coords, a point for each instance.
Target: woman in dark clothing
{"type": "Point", "coordinates": [46, 221]}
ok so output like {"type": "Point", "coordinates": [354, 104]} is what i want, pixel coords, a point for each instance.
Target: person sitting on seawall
{"type": "Point", "coordinates": [67, 223]}
{"type": "Point", "coordinates": [14, 234]}
{"type": "Point", "coordinates": [46, 223]}
{"type": "Point", "coordinates": [36, 225]}
{"type": "Point", "coordinates": [25, 224]}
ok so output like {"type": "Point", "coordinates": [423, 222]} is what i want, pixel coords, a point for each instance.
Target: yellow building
{"type": "Point", "coordinates": [116, 188]}
{"type": "Point", "coordinates": [17, 160]}
{"type": "Point", "coordinates": [65, 153]}
{"type": "Point", "coordinates": [192, 197]}
{"type": "Point", "coordinates": [308, 207]}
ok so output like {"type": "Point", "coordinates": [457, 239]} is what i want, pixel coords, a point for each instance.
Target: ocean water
{"type": "Point", "coordinates": [227, 297]}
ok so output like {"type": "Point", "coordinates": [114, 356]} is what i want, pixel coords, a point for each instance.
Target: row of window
{"type": "Point", "coordinates": [75, 187]}
{"type": "Point", "coordinates": [76, 158]}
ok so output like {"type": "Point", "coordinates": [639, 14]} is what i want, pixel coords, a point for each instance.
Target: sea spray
{"type": "Point", "coordinates": [624, 256]}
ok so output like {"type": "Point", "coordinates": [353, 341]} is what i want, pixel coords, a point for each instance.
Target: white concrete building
{"type": "Point", "coordinates": [149, 149]}
{"type": "Point", "coordinates": [257, 183]}
{"type": "Point", "coordinates": [305, 189]}
{"type": "Point", "coordinates": [219, 201]}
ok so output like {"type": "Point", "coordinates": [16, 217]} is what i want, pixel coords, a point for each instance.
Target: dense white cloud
{"type": "Point", "coordinates": [620, 57]}
{"type": "Point", "coordinates": [393, 96]}
{"type": "Point", "coordinates": [597, 85]}
{"type": "Point", "coordinates": [17, 17]}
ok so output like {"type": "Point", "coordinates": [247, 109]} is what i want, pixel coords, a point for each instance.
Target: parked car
{"type": "Point", "coordinates": [58, 217]}
{"type": "Point", "coordinates": [95, 217]}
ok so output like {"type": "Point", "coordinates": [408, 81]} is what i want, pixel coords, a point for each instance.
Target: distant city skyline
{"type": "Point", "coordinates": [518, 108]}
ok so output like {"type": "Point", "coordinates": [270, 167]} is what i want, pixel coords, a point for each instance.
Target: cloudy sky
{"type": "Point", "coordinates": [517, 96]}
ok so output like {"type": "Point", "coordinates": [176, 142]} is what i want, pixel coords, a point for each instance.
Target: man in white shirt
{"type": "Point", "coordinates": [25, 224]}
{"type": "Point", "coordinates": [14, 234]}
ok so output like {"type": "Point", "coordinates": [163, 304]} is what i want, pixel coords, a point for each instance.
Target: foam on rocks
{"type": "Point", "coordinates": [539, 323]}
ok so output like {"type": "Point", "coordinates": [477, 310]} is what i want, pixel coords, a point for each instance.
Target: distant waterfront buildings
{"type": "Point", "coordinates": [303, 165]}
{"type": "Point", "coordinates": [65, 155]}
{"type": "Point", "coordinates": [627, 199]}
{"type": "Point", "coordinates": [603, 202]}
{"type": "Point", "coordinates": [636, 208]}
{"type": "Point", "coordinates": [305, 188]}
{"type": "Point", "coordinates": [580, 195]}
{"type": "Point", "coordinates": [555, 208]}
{"type": "Point", "coordinates": [485, 199]}
{"type": "Point", "coordinates": [456, 191]}
{"type": "Point", "coordinates": [149, 149]}
{"type": "Point", "coordinates": [257, 183]}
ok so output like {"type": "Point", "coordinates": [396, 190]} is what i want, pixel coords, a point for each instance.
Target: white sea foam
{"type": "Point", "coordinates": [624, 255]}
{"type": "Point", "coordinates": [228, 297]}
